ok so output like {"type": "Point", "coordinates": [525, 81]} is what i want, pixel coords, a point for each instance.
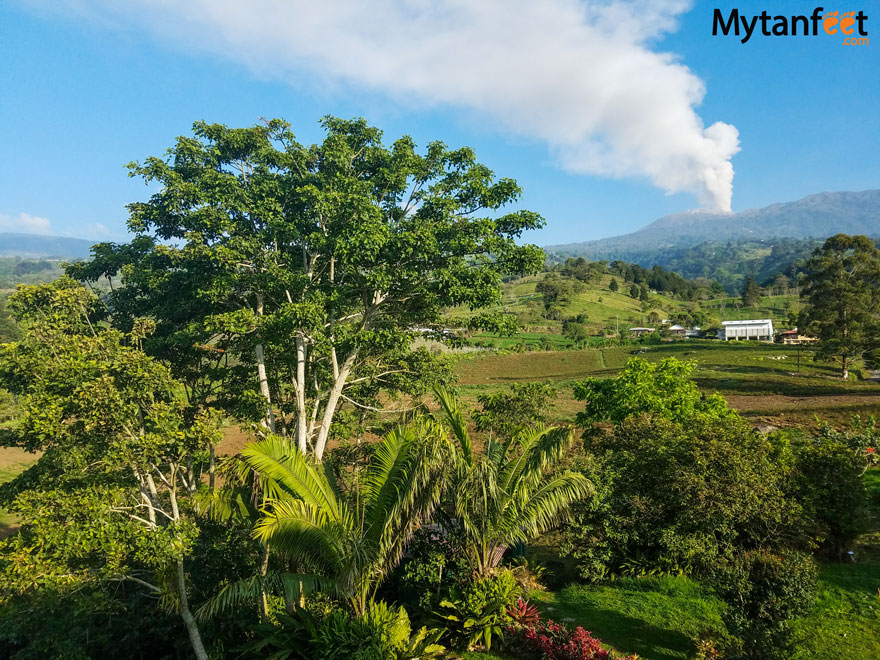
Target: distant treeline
{"type": "Point", "coordinates": [15, 270]}
{"type": "Point", "coordinates": [730, 263]}
{"type": "Point", "coordinates": [655, 278]}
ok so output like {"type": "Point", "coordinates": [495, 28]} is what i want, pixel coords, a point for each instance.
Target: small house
{"type": "Point", "coordinates": [793, 338]}
{"type": "Point", "coordinates": [677, 331]}
{"type": "Point", "coordinates": [638, 332]}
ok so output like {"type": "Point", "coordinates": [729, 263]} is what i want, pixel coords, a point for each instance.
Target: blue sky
{"type": "Point", "coordinates": [82, 92]}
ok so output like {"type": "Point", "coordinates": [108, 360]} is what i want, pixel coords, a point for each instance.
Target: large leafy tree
{"type": "Point", "coordinates": [679, 496]}
{"type": "Point", "coordinates": [106, 503]}
{"type": "Point", "coordinates": [510, 491]}
{"type": "Point", "coordinates": [314, 266]}
{"type": "Point", "coordinates": [842, 298]}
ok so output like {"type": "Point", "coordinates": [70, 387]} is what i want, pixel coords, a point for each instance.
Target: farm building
{"type": "Point", "coordinates": [677, 330]}
{"type": "Point", "coordinates": [638, 332]}
{"type": "Point", "coordinates": [793, 337]}
{"type": "Point", "coordinates": [760, 329]}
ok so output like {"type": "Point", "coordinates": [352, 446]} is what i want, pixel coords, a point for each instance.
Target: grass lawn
{"type": "Point", "coordinates": [658, 617]}
{"type": "Point", "coordinates": [654, 617]}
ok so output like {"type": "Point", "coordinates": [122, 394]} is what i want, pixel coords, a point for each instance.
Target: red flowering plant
{"type": "Point", "coordinates": [862, 437]}
{"type": "Point", "coordinates": [523, 613]}
{"type": "Point", "coordinates": [549, 640]}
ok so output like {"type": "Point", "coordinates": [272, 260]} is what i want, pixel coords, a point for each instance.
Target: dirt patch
{"type": "Point", "coordinates": [788, 411]}
{"type": "Point", "coordinates": [13, 459]}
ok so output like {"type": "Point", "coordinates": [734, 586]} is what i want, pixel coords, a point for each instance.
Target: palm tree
{"type": "Point", "coordinates": [346, 541]}
{"type": "Point", "coordinates": [510, 492]}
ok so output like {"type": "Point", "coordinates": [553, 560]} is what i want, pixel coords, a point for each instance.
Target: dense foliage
{"type": "Point", "coordinates": [297, 276]}
{"type": "Point", "coordinates": [727, 262]}
{"type": "Point", "coordinates": [107, 501]}
{"type": "Point", "coordinates": [842, 298]}
{"type": "Point", "coordinates": [679, 496]}
{"type": "Point", "coordinates": [764, 593]}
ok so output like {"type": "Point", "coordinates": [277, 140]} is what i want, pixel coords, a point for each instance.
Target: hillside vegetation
{"type": "Point", "coordinates": [604, 313]}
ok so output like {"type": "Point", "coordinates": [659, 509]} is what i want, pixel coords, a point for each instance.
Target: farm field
{"type": "Point", "coordinates": [763, 381]}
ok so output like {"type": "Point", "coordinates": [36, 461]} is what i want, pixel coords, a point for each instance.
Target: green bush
{"type": "Point", "coordinates": [381, 633]}
{"type": "Point", "coordinates": [677, 497]}
{"type": "Point", "coordinates": [765, 593]}
{"type": "Point", "coordinates": [425, 576]}
{"type": "Point", "coordinates": [832, 493]}
{"type": "Point", "coordinates": [478, 610]}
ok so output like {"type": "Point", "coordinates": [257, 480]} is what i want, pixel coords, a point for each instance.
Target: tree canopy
{"type": "Point", "coordinates": [314, 267]}
{"type": "Point", "coordinates": [842, 298]}
{"type": "Point", "coordinates": [660, 389]}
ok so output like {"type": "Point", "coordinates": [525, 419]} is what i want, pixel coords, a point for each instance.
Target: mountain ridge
{"type": "Point", "coordinates": [815, 216]}
{"type": "Point", "coordinates": [39, 246]}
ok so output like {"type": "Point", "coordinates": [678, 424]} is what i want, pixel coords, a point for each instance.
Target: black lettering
{"type": "Point", "coordinates": [861, 18]}
{"type": "Point", "coordinates": [780, 27]}
{"type": "Point", "coordinates": [794, 22]}
{"type": "Point", "coordinates": [732, 22]}
{"type": "Point", "coordinates": [764, 18]}
{"type": "Point", "coordinates": [817, 13]}
{"type": "Point", "coordinates": [748, 27]}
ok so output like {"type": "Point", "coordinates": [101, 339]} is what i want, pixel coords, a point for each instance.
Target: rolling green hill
{"type": "Point", "coordinates": [603, 311]}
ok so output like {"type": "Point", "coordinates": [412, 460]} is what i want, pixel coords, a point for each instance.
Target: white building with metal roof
{"type": "Point", "coordinates": [759, 329]}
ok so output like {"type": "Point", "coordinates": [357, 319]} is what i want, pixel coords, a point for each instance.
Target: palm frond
{"type": "Point", "coordinates": [225, 504]}
{"type": "Point", "coordinates": [299, 529]}
{"type": "Point", "coordinates": [279, 461]}
{"type": "Point", "coordinates": [541, 447]}
{"type": "Point", "coordinates": [408, 481]}
{"type": "Point", "coordinates": [543, 508]}
{"type": "Point", "coordinates": [456, 422]}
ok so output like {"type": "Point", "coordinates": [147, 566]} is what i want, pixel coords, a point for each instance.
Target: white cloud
{"type": "Point", "coordinates": [25, 223]}
{"type": "Point", "coordinates": [583, 77]}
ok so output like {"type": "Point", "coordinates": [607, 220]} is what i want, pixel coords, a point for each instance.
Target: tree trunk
{"type": "Point", "coordinates": [332, 402]}
{"type": "Point", "coordinates": [269, 422]}
{"type": "Point", "coordinates": [301, 421]}
{"type": "Point", "coordinates": [212, 462]}
{"type": "Point", "coordinates": [264, 598]}
{"type": "Point", "coordinates": [844, 368]}
{"type": "Point", "coordinates": [192, 627]}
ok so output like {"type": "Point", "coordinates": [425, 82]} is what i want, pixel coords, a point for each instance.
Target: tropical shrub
{"type": "Point", "coordinates": [677, 497]}
{"type": "Point", "coordinates": [381, 632]}
{"type": "Point", "coordinates": [508, 412]}
{"type": "Point", "coordinates": [477, 611]}
{"type": "Point", "coordinates": [523, 613]}
{"type": "Point", "coordinates": [509, 492]}
{"type": "Point", "coordinates": [765, 592]}
{"type": "Point", "coordinates": [659, 389]}
{"type": "Point", "coordinates": [429, 569]}
{"type": "Point", "coordinates": [346, 541]}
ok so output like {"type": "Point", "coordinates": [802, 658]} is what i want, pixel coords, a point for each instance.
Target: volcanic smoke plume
{"type": "Point", "coordinates": [584, 77]}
